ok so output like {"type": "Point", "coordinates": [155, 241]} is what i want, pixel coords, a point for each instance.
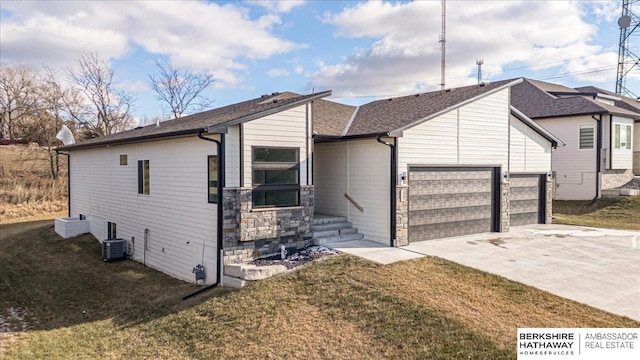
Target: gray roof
{"type": "Point", "coordinates": [539, 100]}
{"type": "Point", "coordinates": [624, 102]}
{"type": "Point", "coordinates": [211, 120]}
{"type": "Point", "coordinates": [396, 114]}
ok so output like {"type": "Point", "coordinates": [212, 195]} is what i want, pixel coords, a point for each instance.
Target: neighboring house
{"type": "Point", "coordinates": [625, 103]}
{"type": "Point", "coordinates": [179, 199]}
{"type": "Point", "coordinates": [599, 136]}
{"type": "Point", "coordinates": [238, 182]}
{"type": "Point", "coordinates": [433, 165]}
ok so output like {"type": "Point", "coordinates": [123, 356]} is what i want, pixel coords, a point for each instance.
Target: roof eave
{"type": "Point", "coordinates": [268, 112]}
{"type": "Point", "coordinates": [398, 132]}
{"type": "Point", "coordinates": [555, 142]}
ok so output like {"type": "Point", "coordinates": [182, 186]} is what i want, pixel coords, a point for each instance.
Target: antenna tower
{"type": "Point", "coordinates": [479, 62]}
{"type": "Point", "coordinates": [443, 41]}
{"type": "Point", "coordinates": [629, 24]}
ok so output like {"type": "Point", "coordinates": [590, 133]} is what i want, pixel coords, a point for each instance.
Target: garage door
{"type": "Point", "coordinates": [446, 202]}
{"type": "Point", "coordinates": [526, 204]}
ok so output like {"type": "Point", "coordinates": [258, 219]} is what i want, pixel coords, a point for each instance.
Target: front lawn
{"type": "Point", "coordinates": [73, 305]}
{"type": "Point", "coordinates": [605, 212]}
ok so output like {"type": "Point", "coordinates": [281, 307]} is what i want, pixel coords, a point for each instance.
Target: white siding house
{"type": "Point", "coordinates": [179, 222]}
{"type": "Point", "coordinates": [454, 154]}
{"type": "Point", "coordinates": [162, 189]}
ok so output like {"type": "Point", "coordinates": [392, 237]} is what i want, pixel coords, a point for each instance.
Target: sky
{"type": "Point", "coordinates": [360, 50]}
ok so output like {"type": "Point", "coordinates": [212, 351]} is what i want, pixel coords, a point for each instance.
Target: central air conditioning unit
{"type": "Point", "coordinates": [114, 249]}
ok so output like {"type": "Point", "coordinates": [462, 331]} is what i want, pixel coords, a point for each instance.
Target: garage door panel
{"type": "Point", "coordinates": [456, 214]}
{"type": "Point", "coordinates": [525, 199]}
{"type": "Point", "coordinates": [443, 186]}
{"type": "Point", "coordinates": [446, 202]}
{"type": "Point", "coordinates": [448, 229]}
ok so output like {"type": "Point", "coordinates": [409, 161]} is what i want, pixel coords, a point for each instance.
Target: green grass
{"type": "Point", "coordinates": [606, 213]}
{"type": "Point", "coordinates": [76, 306]}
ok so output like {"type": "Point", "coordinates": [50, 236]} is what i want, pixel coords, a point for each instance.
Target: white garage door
{"type": "Point", "coordinates": [446, 202]}
{"type": "Point", "coordinates": [526, 204]}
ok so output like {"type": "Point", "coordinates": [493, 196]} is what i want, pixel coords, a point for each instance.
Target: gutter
{"type": "Point", "coordinates": [393, 173]}
{"type": "Point", "coordinates": [220, 153]}
{"type": "Point", "coordinates": [68, 155]}
{"type": "Point", "coordinates": [598, 156]}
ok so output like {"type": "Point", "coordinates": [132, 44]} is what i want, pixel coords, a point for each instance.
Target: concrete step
{"type": "Point", "coordinates": [327, 219]}
{"type": "Point", "coordinates": [339, 238]}
{"type": "Point", "coordinates": [327, 233]}
{"type": "Point", "coordinates": [347, 231]}
{"type": "Point", "coordinates": [331, 226]}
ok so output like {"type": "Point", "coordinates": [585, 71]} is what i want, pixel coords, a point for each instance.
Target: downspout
{"type": "Point", "coordinates": [598, 156]}
{"type": "Point", "coordinates": [220, 153]}
{"type": "Point", "coordinates": [68, 155]}
{"type": "Point", "coordinates": [393, 174]}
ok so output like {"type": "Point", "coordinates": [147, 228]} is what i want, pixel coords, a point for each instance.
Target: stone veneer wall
{"type": "Point", "coordinates": [548, 216]}
{"type": "Point", "coordinates": [402, 215]}
{"type": "Point", "coordinates": [614, 178]}
{"type": "Point", "coordinates": [505, 211]}
{"type": "Point", "coordinates": [251, 233]}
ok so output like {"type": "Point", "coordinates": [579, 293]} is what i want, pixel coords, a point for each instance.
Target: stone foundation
{"type": "Point", "coordinates": [252, 233]}
{"type": "Point", "coordinates": [402, 215]}
{"type": "Point", "coordinates": [505, 213]}
{"type": "Point", "coordinates": [548, 215]}
{"type": "Point", "coordinates": [615, 178]}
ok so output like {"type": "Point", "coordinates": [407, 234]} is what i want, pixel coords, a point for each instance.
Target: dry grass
{"type": "Point", "coordinates": [76, 306]}
{"type": "Point", "coordinates": [606, 213]}
{"type": "Point", "coordinates": [27, 190]}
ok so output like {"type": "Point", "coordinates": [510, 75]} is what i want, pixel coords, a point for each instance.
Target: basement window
{"type": "Point", "coordinates": [622, 136]}
{"type": "Point", "coordinates": [111, 230]}
{"type": "Point", "coordinates": [587, 132]}
{"type": "Point", "coordinates": [143, 177]}
{"type": "Point", "coordinates": [212, 178]}
{"type": "Point", "coordinates": [276, 177]}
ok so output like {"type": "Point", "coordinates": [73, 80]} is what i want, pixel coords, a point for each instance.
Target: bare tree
{"type": "Point", "coordinates": [108, 108]}
{"type": "Point", "coordinates": [18, 96]}
{"type": "Point", "coordinates": [181, 89]}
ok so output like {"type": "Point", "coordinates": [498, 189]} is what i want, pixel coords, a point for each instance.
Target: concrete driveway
{"type": "Point", "coordinates": [598, 267]}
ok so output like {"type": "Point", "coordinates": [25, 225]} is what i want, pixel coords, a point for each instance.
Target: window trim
{"type": "Point", "coordinates": [275, 166]}
{"type": "Point", "coordinates": [593, 136]}
{"type": "Point", "coordinates": [124, 160]}
{"type": "Point", "coordinates": [617, 136]}
{"type": "Point", "coordinates": [142, 189]}
{"type": "Point", "coordinates": [112, 232]}
{"type": "Point", "coordinates": [217, 162]}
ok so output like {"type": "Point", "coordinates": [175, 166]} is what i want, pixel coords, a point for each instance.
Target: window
{"type": "Point", "coordinates": [111, 230]}
{"type": "Point", "coordinates": [143, 177]}
{"type": "Point", "coordinates": [586, 136]}
{"type": "Point", "coordinates": [622, 136]}
{"type": "Point", "coordinates": [123, 159]}
{"type": "Point", "coordinates": [212, 178]}
{"type": "Point", "coordinates": [276, 177]}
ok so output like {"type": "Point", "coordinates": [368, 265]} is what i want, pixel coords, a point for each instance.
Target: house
{"type": "Point", "coordinates": [237, 178]}
{"type": "Point", "coordinates": [242, 181]}
{"type": "Point", "coordinates": [598, 131]}
{"type": "Point", "coordinates": [627, 103]}
{"type": "Point", "coordinates": [445, 163]}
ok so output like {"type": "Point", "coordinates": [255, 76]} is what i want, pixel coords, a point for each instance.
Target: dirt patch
{"type": "Point", "coordinates": [297, 258]}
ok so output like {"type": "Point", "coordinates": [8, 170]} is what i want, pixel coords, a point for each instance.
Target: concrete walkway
{"type": "Point", "coordinates": [598, 267]}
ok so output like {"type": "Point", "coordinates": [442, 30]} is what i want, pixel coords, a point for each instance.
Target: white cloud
{"type": "Point", "coordinates": [194, 34]}
{"type": "Point", "coordinates": [133, 86]}
{"type": "Point", "coordinates": [278, 72]}
{"type": "Point", "coordinates": [404, 55]}
{"type": "Point", "coordinates": [282, 6]}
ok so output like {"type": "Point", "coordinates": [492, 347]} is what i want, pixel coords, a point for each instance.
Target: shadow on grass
{"type": "Point", "coordinates": [63, 282]}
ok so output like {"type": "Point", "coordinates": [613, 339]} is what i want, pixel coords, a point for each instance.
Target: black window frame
{"type": "Point", "coordinates": [274, 188]}
{"type": "Point", "coordinates": [124, 160]}
{"type": "Point", "coordinates": [216, 180]}
{"type": "Point", "coordinates": [144, 187]}
{"type": "Point", "coordinates": [112, 232]}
